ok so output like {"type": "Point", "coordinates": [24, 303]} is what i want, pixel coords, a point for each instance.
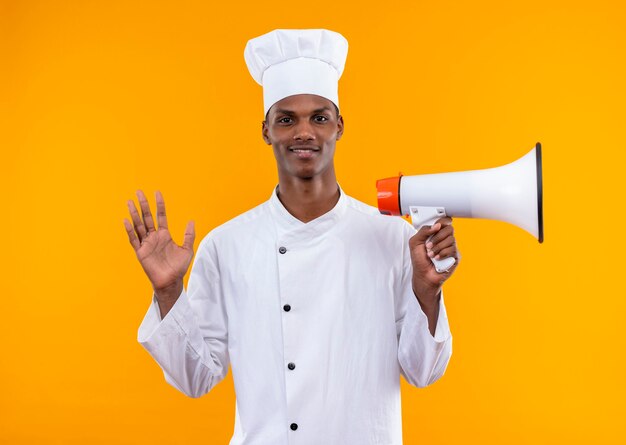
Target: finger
{"type": "Point", "coordinates": [190, 235]}
{"type": "Point", "coordinates": [145, 212]}
{"type": "Point", "coordinates": [161, 216]}
{"type": "Point", "coordinates": [423, 233]}
{"type": "Point", "coordinates": [447, 242]}
{"type": "Point", "coordinates": [137, 222]}
{"type": "Point", "coordinates": [445, 253]}
{"type": "Point", "coordinates": [445, 221]}
{"type": "Point", "coordinates": [132, 237]}
{"type": "Point", "coordinates": [446, 232]}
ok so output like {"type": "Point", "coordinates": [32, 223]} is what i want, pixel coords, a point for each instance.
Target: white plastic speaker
{"type": "Point", "coordinates": [511, 193]}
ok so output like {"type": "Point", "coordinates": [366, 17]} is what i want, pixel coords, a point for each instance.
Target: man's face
{"type": "Point", "coordinates": [303, 130]}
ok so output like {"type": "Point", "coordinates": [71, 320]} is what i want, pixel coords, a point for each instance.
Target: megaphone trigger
{"type": "Point", "coordinates": [427, 216]}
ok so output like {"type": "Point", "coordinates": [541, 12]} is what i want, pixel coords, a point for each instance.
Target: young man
{"type": "Point", "coordinates": [317, 301]}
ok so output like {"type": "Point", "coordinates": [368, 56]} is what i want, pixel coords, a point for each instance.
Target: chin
{"type": "Point", "coordinates": [305, 176]}
{"type": "Point", "coordinates": [305, 173]}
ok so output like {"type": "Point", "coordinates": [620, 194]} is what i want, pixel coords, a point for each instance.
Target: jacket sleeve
{"type": "Point", "coordinates": [190, 343]}
{"type": "Point", "coordinates": [423, 358]}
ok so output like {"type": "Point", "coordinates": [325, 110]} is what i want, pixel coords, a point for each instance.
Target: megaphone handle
{"type": "Point", "coordinates": [427, 216]}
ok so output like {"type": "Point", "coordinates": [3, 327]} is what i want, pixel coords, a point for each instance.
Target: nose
{"type": "Point", "coordinates": [304, 131]}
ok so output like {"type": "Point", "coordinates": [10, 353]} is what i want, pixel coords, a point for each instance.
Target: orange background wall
{"type": "Point", "coordinates": [98, 99]}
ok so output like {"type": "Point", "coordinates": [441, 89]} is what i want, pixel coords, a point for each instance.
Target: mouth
{"type": "Point", "coordinates": [303, 149]}
{"type": "Point", "coordinates": [304, 152]}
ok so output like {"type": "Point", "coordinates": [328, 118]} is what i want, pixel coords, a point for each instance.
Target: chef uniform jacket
{"type": "Point", "coordinates": [317, 319]}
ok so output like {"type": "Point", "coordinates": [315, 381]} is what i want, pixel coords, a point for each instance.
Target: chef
{"type": "Point", "coordinates": [316, 301]}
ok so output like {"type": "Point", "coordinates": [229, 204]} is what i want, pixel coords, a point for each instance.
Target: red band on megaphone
{"type": "Point", "coordinates": [389, 195]}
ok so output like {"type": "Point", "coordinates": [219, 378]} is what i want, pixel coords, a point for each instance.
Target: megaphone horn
{"type": "Point", "coordinates": [511, 193]}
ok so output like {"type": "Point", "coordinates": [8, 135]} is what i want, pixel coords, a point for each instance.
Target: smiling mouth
{"type": "Point", "coordinates": [304, 149]}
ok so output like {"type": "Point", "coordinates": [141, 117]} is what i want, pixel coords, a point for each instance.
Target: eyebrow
{"type": "Point", "coordinates": [291, 113]}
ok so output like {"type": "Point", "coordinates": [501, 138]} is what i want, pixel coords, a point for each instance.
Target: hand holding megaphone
{"type": "Point", "coordinates": [431, 245]}
{"type": "Point", "coordinates": [422, 216]}
{"type": "Point", "coordinates": [511, 193]}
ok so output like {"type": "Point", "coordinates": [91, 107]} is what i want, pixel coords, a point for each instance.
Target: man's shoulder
{"type": "Point", "coordinates": [360, 207]}
{"type": "Point", "coordinates": [238, 225]}
{"type": "Point", "coordinates": [372, 215]}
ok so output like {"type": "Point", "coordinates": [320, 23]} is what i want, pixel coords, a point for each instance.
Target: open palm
{"type": "Point", "coordinates": [164, 262]}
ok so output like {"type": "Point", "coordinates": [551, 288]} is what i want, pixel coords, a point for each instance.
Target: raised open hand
{"type": "Point", "coordinates": [164, 261]}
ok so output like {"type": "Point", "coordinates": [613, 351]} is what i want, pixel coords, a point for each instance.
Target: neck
{"type": "Point", "coordinates": [308, 199]}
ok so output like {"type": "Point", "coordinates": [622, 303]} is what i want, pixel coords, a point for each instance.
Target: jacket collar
{"type": "Point", "coordinates": [287, 224]}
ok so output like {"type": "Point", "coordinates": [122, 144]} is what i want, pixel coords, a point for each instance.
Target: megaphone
{"type": "Point", "coordinates": [511, 193]}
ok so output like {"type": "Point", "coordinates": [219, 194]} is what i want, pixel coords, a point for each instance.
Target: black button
{"type": "Point", "coordinates": [294, 426]}
{"type": "Point", "coordinates": [291, 366]}
{"type": "Point", "coordinates": [282, 249]}
{"type": "Point", "coordinates": [287, 308]}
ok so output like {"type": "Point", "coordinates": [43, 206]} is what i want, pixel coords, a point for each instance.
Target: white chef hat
{"type": "Point", "coordinates": [297, 61]}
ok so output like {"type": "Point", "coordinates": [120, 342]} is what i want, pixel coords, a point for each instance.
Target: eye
{"type": "Point", "coordinates": [284, 120]}
{"type": "Point", "coordinates": [320, 118]}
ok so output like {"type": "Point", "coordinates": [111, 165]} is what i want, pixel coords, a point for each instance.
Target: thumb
{"type": "Point", "coordinates": [190, 235]}
{"type": "Point", "coordinates": [424, 232]}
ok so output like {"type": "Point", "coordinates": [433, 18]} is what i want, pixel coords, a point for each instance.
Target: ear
{"type": "Point", "coordinates": [339, 127]}
{"type": "Point", "coordinates": [265, 133]}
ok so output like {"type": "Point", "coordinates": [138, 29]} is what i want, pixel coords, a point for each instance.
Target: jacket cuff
{"type": "Point", "coordinates": [420, 323]}
{"type": "Point", "coordinates": [152, 323]}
